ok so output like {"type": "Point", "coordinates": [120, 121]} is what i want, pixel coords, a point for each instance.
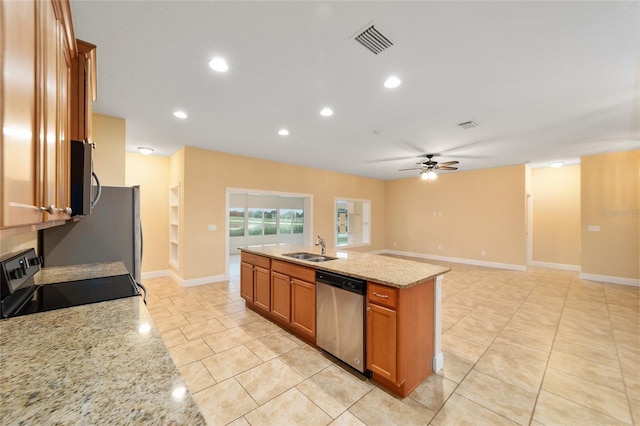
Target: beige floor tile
{"type": "Point", "coordinates": [213, 301]}
{"type": "Point", "coordinates": [290, 408]}
{"type": "Point", "coordinates": [231, 307]}
{"type": "Point", "coordinates": [236, 319]}
{"type": "Point", "coordinates": [460, 411]}
{"type": "Point", "coordinates": [231, 362]}
{"type": "Point", "coordinates": [533, 339]}
{"type": "Point", "coordinates": [490, 393]}
{"type": "Point", "coordinates": [433, 392]}
{"type": "Point", "coordinates": [607, 375]}
{"type": "Point", "coordinates": [347, 419]}
{"type": "Point", "coordinates": [224, 402]}
{"type": "Point", "coordinates": [594, 351]}
{"type": "Point", "coordinates": [202, 315]}
{"type": "Point", "coordinates": [157, 312]}
{"type": "Point", "coordinates": [380, 408]}
{"type": "Point", "coordinates": [196, 376]}
{"type": "Point", "coordinates": [474, 330]}
{"type": "Point", "coordinates": [184, 308]}
{"type": "Point", "coordinates": [463, 348]}
{"type": "Point", "coordinates": [240, 421]}
{"type": "Point", "coordinates": [334, 390]}
{"type": "Point", "coordinates": [189, 352]}
{"type": "Point", "coordinates": [173, 337]}
{"type": "Point", "coordinates": [269, 380]}
{"type": "Point", "coordinates": [260, 328]}
{"type": "Point", "coordinates": [600, 398]}
{"type": "Point", "coordinates": [227, 339]}
{"type": "Point", "coordinates": [271, 346]}
{"type": "Point", "coordinates": [455, 368]}
{"type": "Point", "coordinates": [306, 360]}
{"type": "Point", "coordinates": [510, 370]}
{"type": "Point", "coordinates": [534, 357]}
{"type": "Point", "coordinates": [202, 329]}
{"type": "Point", "coordinates": [555, 410]}
{"type": "Point", "coordinates": [168, 323]}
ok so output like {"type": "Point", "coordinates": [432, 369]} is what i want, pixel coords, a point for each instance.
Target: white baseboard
{"type": "Point", "coordinates": [563, 266]}
{"type": "Point", "coordinates": [197, 281]}
{"type": "Point", "coordinates": [155, 274]}
{"type": "Point", "coordinates": [498, 265]}
{"type": "Point", "coordinates": [608, 279]}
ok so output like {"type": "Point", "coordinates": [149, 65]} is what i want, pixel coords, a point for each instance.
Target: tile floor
{"type": "Point", "coordinates": [533, 348]}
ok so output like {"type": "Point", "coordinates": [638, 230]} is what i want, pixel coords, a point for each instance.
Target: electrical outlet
{"type": "Point", "coordinates": [212, 227]}
{"type": "Point", "coordinates": [439, 247]}
{"type": "Point", "coordinates": [484, 253]}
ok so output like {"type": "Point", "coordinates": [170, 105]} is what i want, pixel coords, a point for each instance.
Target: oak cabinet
{"type": "Point", "coordinates": [400, 335]}
{"type": "Point", "coordinates": [281, 296]}
{"type": "Point", "coordinates": [290, 298]}
{"type": "Point", "coordinates": [83, 91]}
{"type": "Point", "coordinates": [303, 308]}
{"type": "Point", "coordinates": [255, 283]}
{"type": "Point", "coordinates": [36, 55]}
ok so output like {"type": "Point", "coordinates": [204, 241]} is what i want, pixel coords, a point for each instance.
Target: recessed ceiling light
{"type": "Point", "coordinates": [283, 132]}
{"type": "Point", "coordinates": [326, 112]}
{"type": "Point", "coordinates": [145, 150]}
{"type": "Point", "coordinates": [180, 114]}
{"type": "Point", "coordinates": [556, 164]}
{"type": "Point", "coordinates": [219, 64]}
{"type": "Point", "coordinates": [392, 82]}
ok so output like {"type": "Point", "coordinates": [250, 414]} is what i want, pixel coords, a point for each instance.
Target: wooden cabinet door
{"type": "Point", "coordinates": [246, 281]}
{"type": "Point", "coordinates": [20, 156]}
{"type": "Point", "coordinates": [281, 296]}
{"type": "Point", "coordinates": [381, 341]}
{"type": "Point", "coordinates": [262, 288]}
{"type": "Point", "coordinates": [303, 307]}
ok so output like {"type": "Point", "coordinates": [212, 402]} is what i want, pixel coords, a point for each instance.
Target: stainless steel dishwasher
{"type": "Point", "coordinates": [340, 317]}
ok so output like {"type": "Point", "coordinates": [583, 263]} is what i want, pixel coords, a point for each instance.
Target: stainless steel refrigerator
{"type": "Point", "coordinates": [112, 232]}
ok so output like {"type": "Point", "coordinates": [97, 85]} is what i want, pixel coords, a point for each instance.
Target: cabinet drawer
{"type": "Point", "coordinates": [296, 271]}
{"type": "Point", "coordinates": [382, 295]}
{"type": "Point", "coordinates": [256, 260]}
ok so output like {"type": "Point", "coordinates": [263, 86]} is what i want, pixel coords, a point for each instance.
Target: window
{"type": "Point", "coordinates": [261, 221]}
{"type": "Point", "coordinates": [353, 222]}
{"type": "Point", "coordinates": [255, 221]}
{"type": "Point", "coordinates": [236, 222]}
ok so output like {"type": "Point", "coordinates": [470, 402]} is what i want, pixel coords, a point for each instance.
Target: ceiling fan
{"type": "Point", "coordinates": [427, 168]}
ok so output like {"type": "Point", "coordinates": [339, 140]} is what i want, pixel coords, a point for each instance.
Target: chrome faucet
{"type": "Point", "coordinates": [323, 243]}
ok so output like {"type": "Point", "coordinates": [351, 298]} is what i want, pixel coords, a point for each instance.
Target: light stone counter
{"type": "Point", "coordinates": [390, 271]}
{"type": "Point", "coordinates": [97, 364]}
{"type": "Point", "coordinates": [58, 274]}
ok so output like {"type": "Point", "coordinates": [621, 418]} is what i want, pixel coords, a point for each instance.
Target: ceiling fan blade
{"type": "Point", "coordinates": [449, 163]}
{"type": "Point", "coordinates": [414, 168]}
{"type": "Point", "coordinates": [447, 168]}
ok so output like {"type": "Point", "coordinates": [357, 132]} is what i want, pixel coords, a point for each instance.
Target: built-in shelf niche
{"type": "Point", "coordinates": [174, 226]}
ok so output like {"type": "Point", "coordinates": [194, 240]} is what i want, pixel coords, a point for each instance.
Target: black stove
{"type": "Point", "coordinates": [19, 295]}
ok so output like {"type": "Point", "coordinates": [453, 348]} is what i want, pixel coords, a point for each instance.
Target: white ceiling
{"type": "Point", "coordinates": [544, 80]}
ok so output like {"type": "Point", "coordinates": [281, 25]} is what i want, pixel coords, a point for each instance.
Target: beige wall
{"type": "Point", "coordinates": [208, 174]}
{"type": "Point", "coordinates": [460, 215]}
{"type": "Point", "coordinates": [109, 135]}
{"type": "Point", "coordinates": [556, 215]}
{"type": "Point", "coordinates": [151, 173]}
{"type": "Point", "coordinates": [19, 242]}
{"type": "Point", "coordinates": [610, 199]}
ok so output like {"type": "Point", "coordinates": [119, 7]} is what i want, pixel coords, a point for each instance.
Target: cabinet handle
{"type": "Point", "coordinates": [382, 296]}
{"type": "Point", "coordinates": [66, 210]}
{"type": "Point", "coordinates": [368, 308]}
{"type": "Point", "coordinates": [51, 209]}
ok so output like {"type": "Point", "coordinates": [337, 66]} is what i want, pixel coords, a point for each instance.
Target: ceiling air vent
{"type": "Point", "coordinates": [468, 125]}
{"type": "Point", "coordinates": [373, 40]}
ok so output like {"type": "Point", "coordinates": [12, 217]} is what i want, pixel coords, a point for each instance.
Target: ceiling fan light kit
{"type": "Point", "coordinates": [428, 168]}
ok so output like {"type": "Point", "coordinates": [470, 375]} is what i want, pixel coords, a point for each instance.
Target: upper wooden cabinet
{"type": "Point", "coordinates": [83, 91]}
{"type": "Point", "coordinates": [36, 55]}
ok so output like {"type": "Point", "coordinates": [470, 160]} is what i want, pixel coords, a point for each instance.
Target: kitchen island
{"type": "Point", "coordinates": [402, 299]}
{"type": "Point", "coordinates": [103, 363]}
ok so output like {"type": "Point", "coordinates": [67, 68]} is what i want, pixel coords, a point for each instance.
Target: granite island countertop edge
{"type": "Point", "coordinates": [390, 271]}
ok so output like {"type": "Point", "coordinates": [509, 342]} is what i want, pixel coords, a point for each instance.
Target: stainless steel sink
{"type": "Point", "coordinates": [310, 257]}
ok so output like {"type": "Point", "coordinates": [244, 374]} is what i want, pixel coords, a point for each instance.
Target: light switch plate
{"type": "Point", "coordinates": [593, 228]}
{"type": "Point", "coordinates": [212, 227]}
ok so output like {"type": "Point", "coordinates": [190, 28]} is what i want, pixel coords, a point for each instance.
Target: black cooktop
{"type": "Point", "coordinates": [21, 296]}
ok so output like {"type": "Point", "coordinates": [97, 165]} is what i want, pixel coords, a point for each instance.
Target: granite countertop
{"type": "Point", "coordinates": [103, 363]}
{"type": "Point", "coordinates": [390, 271]}
{"type": "Point", "coordinates": [57, 274]}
